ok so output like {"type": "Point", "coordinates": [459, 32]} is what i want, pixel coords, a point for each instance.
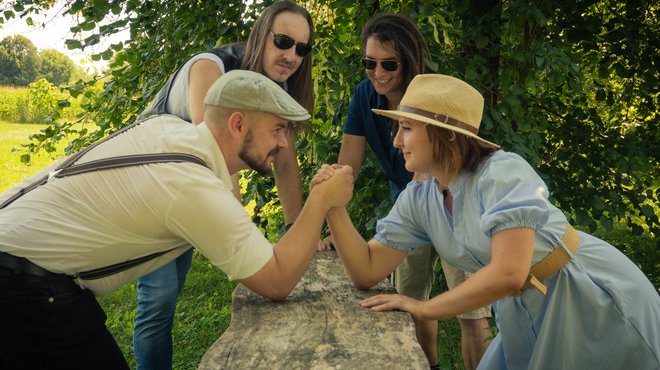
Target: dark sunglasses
{"type": "Point", "coordinates": [388, 65]}
{"type": "Point", "coordinates": [285, 42]}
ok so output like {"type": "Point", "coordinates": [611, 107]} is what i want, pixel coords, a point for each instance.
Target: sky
{"type": "Point", "coordinates": [50, 30]}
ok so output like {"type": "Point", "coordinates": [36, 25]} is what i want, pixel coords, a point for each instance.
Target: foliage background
{"type": "Point", "coordinates": [572, 86]}
{"type": "Point", "coordinates": [39, 103]}
{"type": "Point", "coordinates": [21, 63]}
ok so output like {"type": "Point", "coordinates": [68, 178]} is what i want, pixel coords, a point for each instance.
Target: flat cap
{"type": "Point", "coordinates": [252, 91]}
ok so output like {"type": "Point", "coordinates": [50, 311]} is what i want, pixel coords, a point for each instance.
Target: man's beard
{"type": "Point", "coordinates": [246, 156]}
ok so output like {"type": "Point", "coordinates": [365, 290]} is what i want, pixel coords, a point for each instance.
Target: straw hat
{"type": "Point", "coordinates": [442, 101]}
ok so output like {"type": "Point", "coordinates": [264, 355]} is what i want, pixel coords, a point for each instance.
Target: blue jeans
{"type": "Point", "coordinates": [157, 295]}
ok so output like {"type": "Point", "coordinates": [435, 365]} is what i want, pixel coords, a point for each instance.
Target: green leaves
{"type": "Point", "coordinates": [73, 44]}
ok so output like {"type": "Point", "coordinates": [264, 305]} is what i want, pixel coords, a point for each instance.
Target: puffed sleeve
{"type": "Point", "coordinates": [403, 227]}
{"type": "Point", "coordinates": [512, 195]}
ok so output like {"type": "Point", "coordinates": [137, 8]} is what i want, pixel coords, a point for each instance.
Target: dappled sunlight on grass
{"type": "Point", "coordinates": [12, 169]}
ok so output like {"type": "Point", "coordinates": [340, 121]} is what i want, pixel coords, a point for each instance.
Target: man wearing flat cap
{"type": "Point", "coordinates": [73, 237]}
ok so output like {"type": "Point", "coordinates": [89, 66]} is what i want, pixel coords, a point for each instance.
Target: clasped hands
{"type": "Point", "coordinates": [336, 182]}
{"type": "Point", "coordinates": [323, 174]}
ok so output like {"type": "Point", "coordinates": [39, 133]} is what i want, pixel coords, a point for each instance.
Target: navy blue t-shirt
{"type": "Point", "coordinates": [361, 121]}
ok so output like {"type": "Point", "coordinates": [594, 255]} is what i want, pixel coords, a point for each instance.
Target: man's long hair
{"type": "Point", "coordinates": [299, 85]}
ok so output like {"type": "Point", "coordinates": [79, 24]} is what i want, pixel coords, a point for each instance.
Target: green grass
{"type": "Point", "coordinates": [12, 170]}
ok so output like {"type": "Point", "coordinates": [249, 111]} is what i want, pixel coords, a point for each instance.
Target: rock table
{"type": "Point", "coordinates": [319, 326]}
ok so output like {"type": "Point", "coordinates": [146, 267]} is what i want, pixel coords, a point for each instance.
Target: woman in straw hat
{"type": "Point", "coordinates": [395, 52]}
{"type": "Point", "coordinates": [563, 299]}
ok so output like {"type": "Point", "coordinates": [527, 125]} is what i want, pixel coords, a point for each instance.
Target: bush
{"type": "Point", "coordinates": [42, 101]}
{"type": "Point", "coordinates": [39, 103]}
{"type": "Point", "coordinates": [13, 104]}
{"type": "Point", "coordinates": [28, 105]}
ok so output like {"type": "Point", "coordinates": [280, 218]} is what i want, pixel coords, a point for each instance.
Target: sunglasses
{"type": "Point", "coordinates": [388, 65]}
{"type": "Point", "coordinates": [284, 42]}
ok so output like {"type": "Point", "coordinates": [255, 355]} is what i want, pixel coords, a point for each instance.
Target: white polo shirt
{"type": "Point", "coordinates": [96, 219]}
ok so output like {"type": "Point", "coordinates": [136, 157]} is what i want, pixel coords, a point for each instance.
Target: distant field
{"type": "Point", "coordinates": [12, 170]}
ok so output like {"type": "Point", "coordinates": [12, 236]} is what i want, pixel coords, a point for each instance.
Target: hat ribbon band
{"type": "Point", "coordinates": [438, 117]}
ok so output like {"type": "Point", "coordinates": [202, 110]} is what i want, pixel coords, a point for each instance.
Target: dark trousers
{"type": "Point", "coordinates": [51, 323]}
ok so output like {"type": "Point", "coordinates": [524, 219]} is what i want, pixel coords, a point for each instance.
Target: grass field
{"type": "Point", "coordinates": [12, 135]}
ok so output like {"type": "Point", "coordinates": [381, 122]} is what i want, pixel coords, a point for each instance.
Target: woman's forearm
{"type": "Point", "coordinates": [366, 263]}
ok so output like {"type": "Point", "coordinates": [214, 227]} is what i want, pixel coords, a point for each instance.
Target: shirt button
{"type": "Point", "coordinates": [51, 299]}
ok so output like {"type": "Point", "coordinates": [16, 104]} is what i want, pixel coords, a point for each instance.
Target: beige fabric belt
{"type": "Point", "coordinates": [552, 262]}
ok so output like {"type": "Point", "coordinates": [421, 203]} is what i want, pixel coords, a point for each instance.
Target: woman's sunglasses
{"type": "Point", "coordinates": [388, 65]}
{"type": "Point", "coordinates": [285, 42]}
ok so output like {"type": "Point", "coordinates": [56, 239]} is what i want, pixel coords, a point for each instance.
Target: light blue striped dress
{"type": "Point", "coordinates": [600, 311]}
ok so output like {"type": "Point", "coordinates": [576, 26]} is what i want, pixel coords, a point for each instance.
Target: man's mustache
{"type": "Point", "coordinates": [274, 152]}
{"type": "Point", "coordinates": [285, 63]}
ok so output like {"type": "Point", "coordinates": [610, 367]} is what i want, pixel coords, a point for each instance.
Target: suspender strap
{"type": "Point", "coordinates": [24, 191]}
{"type": "Point", "coordinates": [126, 161]}
{"type": "Point", "coordinates": [106, 164]}
{"type": "Point", "coordinates": [67, 168]}
{"type": "Point", "coordinates": [66, 163]}
{"type": "Point", "coordinates": [102, 272]}
{"type": "Point", "coordinates": [74, 157]}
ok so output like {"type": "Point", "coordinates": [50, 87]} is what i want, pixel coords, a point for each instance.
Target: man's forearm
{"type": "Point", "coordinates": [289, 186]}
{"type": "Point", "coordinates": [296, 248]}
{"type": "Point", "coordinates": [292, 253]}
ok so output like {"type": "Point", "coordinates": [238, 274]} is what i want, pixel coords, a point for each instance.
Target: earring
{"type": "Point", "coordinates": [453, 136]}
